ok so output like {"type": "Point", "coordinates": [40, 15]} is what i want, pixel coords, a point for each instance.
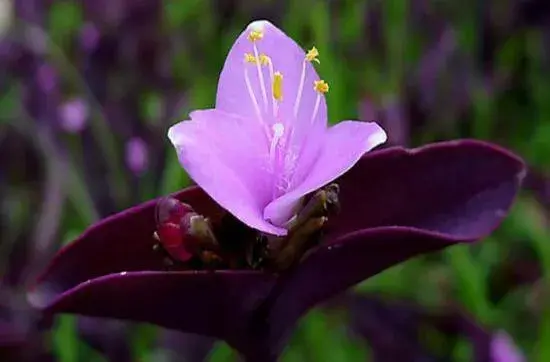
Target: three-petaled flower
{"type": "Point", "coordinates": [255, 156]}
{"type": "Point", "coordinates": [266, 144]}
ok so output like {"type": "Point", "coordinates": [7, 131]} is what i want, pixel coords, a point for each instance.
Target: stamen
{"type": "Point", "coordinates": [316, 108]}
{"type": "Point", "coordinates": [265, 60]}
{"type": "Point", "coordinates": [249, 58]}
{"type": "Point", "coordinates": [277, 91]}
{"type": "Point", "coordinates": [255, 35]}
{"type": "Point", "coordinates": [321, 87]}
{"type": "Point", "coordinates": [260, 74]}
{"type": "Point", "coordinates": [278, 86]}
{"type": "Point", "coordinates": [311, 56]}
{"type": "Point", "coordinates": [251, 94]}
{"type": "Point", "coordinates": [300, 89]}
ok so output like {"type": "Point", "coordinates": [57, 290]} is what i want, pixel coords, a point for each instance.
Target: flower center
{"type": "Point", "coordinates": [284, 147]}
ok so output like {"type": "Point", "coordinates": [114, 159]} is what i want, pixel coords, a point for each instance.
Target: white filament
{"type": "Point", "coordinates": [260, 75]}
{"type": "Point", "coordinates": [251, 93]}
{"type": "Point", "coordinates": [271, 72]}
{"type": "Point", "coordinates": [316, 108]}
{"type": "Point", "coordinates": [275, 109]}
{"type": "Point", "coordinates": [275, 103]}
{"type": "Point", "coordinates": [300, 89]}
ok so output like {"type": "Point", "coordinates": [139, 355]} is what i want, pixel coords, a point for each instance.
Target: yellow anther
{"type": "Point", "coordinates": [278, 86]}
{"type": "Point", "coordinates": [255, 35]}
{"type": "Point", "coordinates": [249, 58]}
{"type": "Point", "coordinates": [320, 86]}
{"type": "Point", "coordinates": [312, 55]}
{"type": "Point", "coordinates": [264, 59]}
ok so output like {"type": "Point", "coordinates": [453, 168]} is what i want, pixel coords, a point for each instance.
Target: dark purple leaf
{"type": "Point", "coordinates": [122, 242]}
{"type": "Point", "coordinates": [397, 204]}
{"type": "Point", "coordinates": [459, 189]}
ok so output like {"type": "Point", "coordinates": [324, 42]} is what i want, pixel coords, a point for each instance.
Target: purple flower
{"type": "Point", "coordinates": [503, 349]}
{"type": "Point", "coordinates": [137, 155]}
{"type": "Point", "coordinates": [89, 36]}
{"type": "Point", "coordinates": [421, 200]}
{"type": "Point", "coordinates": [73, 115]}
{"type": "Point", "coordinates": [267, 139]}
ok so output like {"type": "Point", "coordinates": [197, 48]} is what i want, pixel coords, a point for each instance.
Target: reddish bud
{"type": "Point", "coordinates": [169, 213]}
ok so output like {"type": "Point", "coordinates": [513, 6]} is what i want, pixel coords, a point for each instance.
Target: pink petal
{"type": "Point", "coordinates": [287, 57]}
{"type": "Point", "coordinates": [503, 349]}
{"type": "Point", "coordinates": [222, 155]}
{"type": "Point", "coordinates": [343, 146]}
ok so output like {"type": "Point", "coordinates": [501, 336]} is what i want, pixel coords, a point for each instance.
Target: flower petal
{"type": "Point", "coordinates": [345, 143]}
{"type": "Point", "coordinates": [223, 155]}
{"type": "Point", "coordinates": [288, 58]}
{"type": "Point", "coordinates": [503, 348]}
{"type": "Point", "coordinates": [462, 192]}
{"type": "Point", "coordinates": [122, 242]}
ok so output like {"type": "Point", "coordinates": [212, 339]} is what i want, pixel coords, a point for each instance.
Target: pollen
{"type": "Point", "coordinates": [255, 35]}
{"type": "Point", "coordinates": [278, 86]}
{"type": "Point", "coordinates": [264, 59]}
{"type": "Point", "coordinates": [249, 58]}
{"type": "Point", "coordinates": [320, 86]}
{"type": "Point", "coordinates": [312, 55]}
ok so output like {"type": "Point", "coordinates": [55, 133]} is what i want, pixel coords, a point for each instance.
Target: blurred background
{"type": "Point", "coordinates": [89, 88]}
